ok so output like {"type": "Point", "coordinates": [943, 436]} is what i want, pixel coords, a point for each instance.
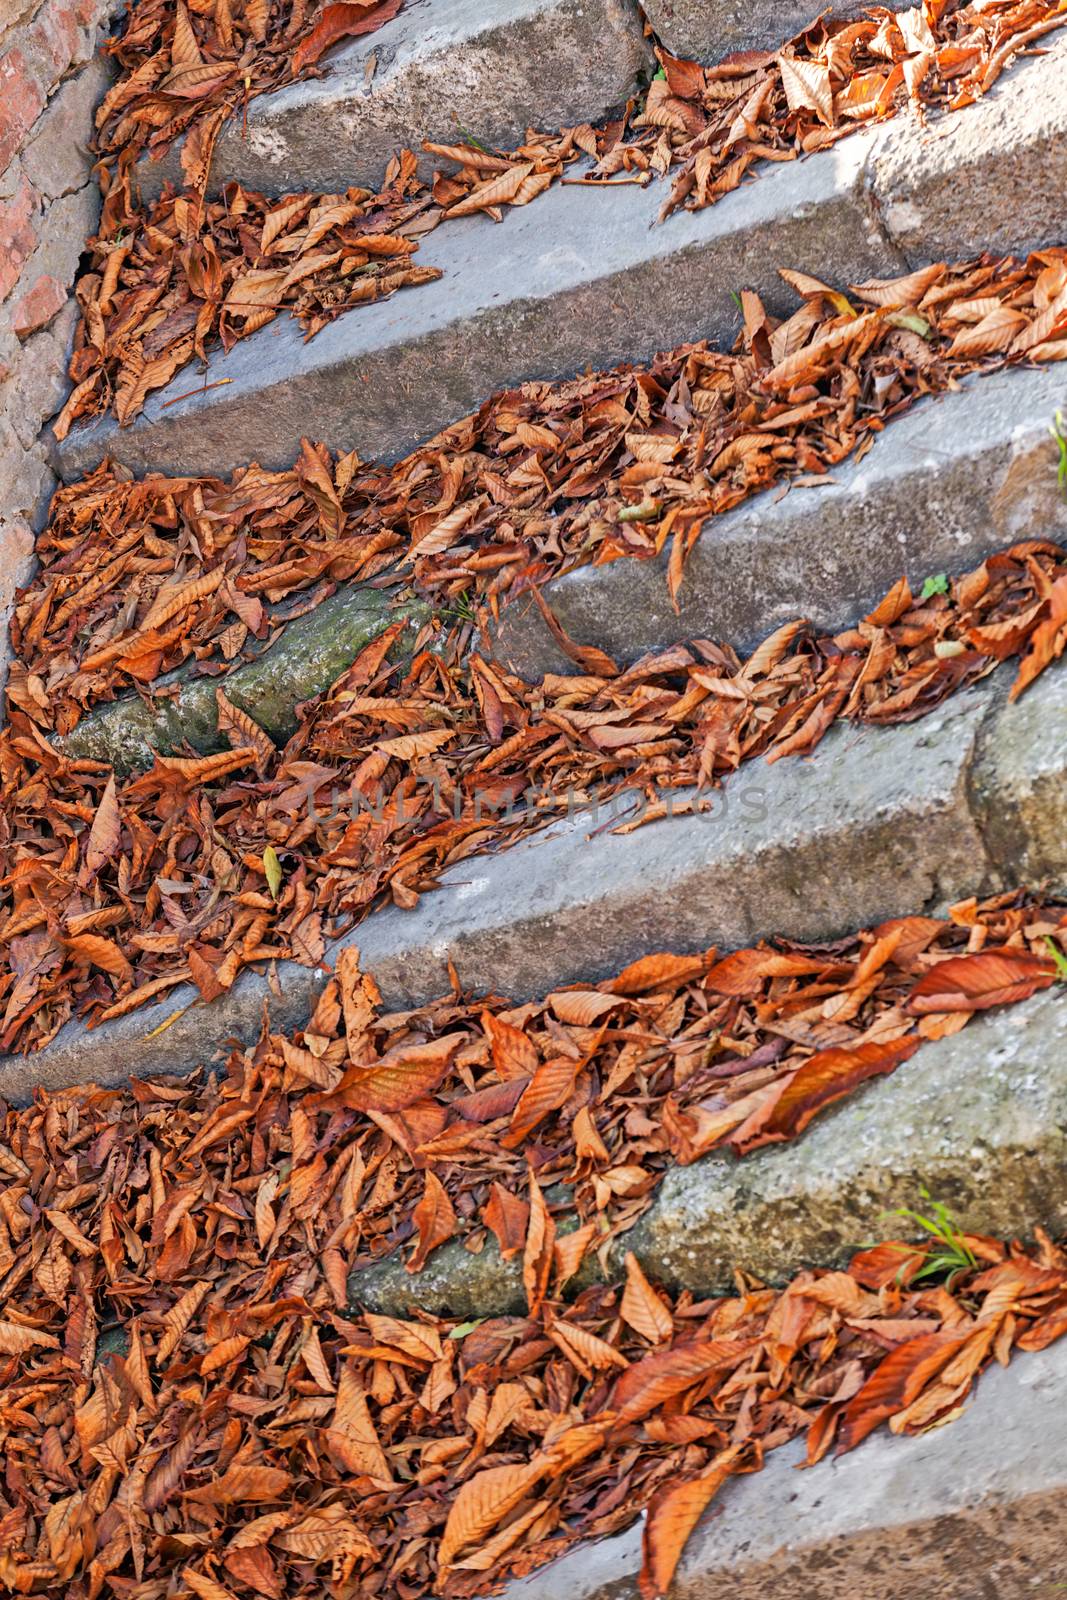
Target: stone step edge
{"type": "Point", "coordinates": [969, 799]}
{"type": "Point", "coordinates": [580, 280]}
{"type": "Point", "coordinates": [958, 477]}
{"type": "Point", "coordinates": [972, 1508]}
{"type": "Point", "coordinates": [434, 70]}
{"type": "Point", "coordinates": [819, 549]}
{"type": "Point", "coordinates": [978, 1120]}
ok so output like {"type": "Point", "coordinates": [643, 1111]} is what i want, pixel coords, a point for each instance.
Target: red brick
{"type": "Point", "coordinates": [86, 12]}
{"type": "Point", "coordinates": [39, 305]}
{"type": "Point", "coordinates": [18, 237]}
{"type": "Point", "coordinates": [53, 38]}
{"type": "Point", "coordinates": [21, 102]}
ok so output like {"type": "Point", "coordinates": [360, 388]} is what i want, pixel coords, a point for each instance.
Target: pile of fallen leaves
{"type": "Point", "coordinates": [169, 279]}
{"type": "Point", "coordinates": [189, 66]}
{"type": "Point", "coordinates": [115, 893]}
{"type": "Point", "coordinates": [138, 578]}
{"type": "Point", "coordinates": [189, 1403]}
{"type": "Point", "coordinates": [441, 1112]}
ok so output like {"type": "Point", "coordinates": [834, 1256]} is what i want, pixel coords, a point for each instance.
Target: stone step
{"type": "Point", "coordinates": [944, 486]}
{"type": "Point", "coordinates": [971, 1511]}
{"type": "Point", "coordinates": [979, 1120]}
{"type": "Point", "coordinates": [440, 70]}
{"type": "Point", "coordinates": [581, 279]}
{"type": "Point", "coordinates": [879, 823]}
{"type": "Point", "coordinates": [707, 30]}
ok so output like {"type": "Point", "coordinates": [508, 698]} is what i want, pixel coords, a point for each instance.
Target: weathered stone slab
{"type": "Point", "coordinates": [941, 488]}
{"type": "Point", "coordinates": [972, 1511]}
{"type": "Point", "coordinates": [979, 1120]}
{"type": "Point", "coordinates": [881, 822]}
{"type": "Point", "coordinates": [303, 661]}
{"type": "Point", "coordinates": [439, 70]}
{"type": "Point", "coordinates": [991, 178]}
{"type": "Point", "coordinates": [707, 30]}
{"type": "Point", "coordinates": [582, 279]}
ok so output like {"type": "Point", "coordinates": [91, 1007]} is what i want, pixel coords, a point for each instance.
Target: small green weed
{"type": "Point", "coordinates": [936, 585]}
{"type": "Point", "coordinates": [1059, 433]}
{"type": "Point", "coordinates": [950, 1253]}
{"type": "Point", "coordinates": [469, 138]}
{"type": "Point", "coordinates": [1058, 957]}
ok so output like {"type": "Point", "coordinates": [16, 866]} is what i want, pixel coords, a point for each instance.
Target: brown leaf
{"type": "Point", "coordinates": [673, 1513]}
{"type": "Point", "coordinates": [435, 1219]}
{"type": "Point", "coordinates": [509, 1218]}
{"type": "Point", "coordinates": [396, 1081]}
{"type": "Point", "coordinates": [642, 1307]}
{"type": "Point", "coordinates": [895, 1383]}
{"type": "Point", "coordinates": [976, 982]}
{"type": "Point", "coordinates": [827, 1076]}
{"type": "Point", "coordinates": [550, 1087]}
{"type": "Point", "coordinates": [344, 20]}
{"type": "Point", "coordinates": [538, 1252]}
{"type": "Point", "coordinates": [104, 835]}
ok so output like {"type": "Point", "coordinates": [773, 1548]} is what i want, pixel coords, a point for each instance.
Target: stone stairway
{"type": "Point", "coordinates": [880, 822]}
{"type": "Point", "coordinates": [583, 279]}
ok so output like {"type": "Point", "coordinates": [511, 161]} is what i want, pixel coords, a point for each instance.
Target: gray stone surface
{"type": "Point", "coordinates": [971, 1511]}
{"type": "Point", "coordinates": [990, 178]}
{"type": "Point", "coordinates": [490, 67]}
{"type": "Point", "coordinates": [879, 823]}
{"type": "Point", "coordinates": [941, 488]}
{"type": "Point", "coordinates": [581, 279]}
{"type": "Point", "coordinates": [307, 657]}
{"type": "Point", "coordinates": [979, 1120]}
{"type": "Point", "coordinates": [711, 29]}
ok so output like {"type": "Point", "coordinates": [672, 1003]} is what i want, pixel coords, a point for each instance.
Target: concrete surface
{"type": "Point", "coordinates": [582, 279]}
{"type": "Point", "coordinates": [945, 485]}
{"type": "Point", "coordinates": [978, 1119]}
{"type": "Point", "coordinates": [971, 1511]}
{"type": "Point", "coordinates": [707, 30]}
{"type": "Point", "coordinates": [879, 823]}
{"type": "Point", "coordinates": [490, 67]}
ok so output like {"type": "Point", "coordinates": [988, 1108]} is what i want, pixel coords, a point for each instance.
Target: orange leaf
{"type": "Point", "coordinates": [540, 1247]}
{"type": "Point", "coordinates": [514, 1055]}
{"type": "Point", "coordinates": [103, 841]}
{"type": "Point", "coordinates": [827, 1076]}
{"type": "Point", "coordinates": [642, 1307]}
{"type": "Point", "coordinates": [396, 1081]}
{"type": "Point", "coordinates": [582, 1007]}
{"type": "Point", "coordinates": [434, 1218]}
{"type": "Point", "coordinates": [550, 1087]}
{"type": "Point", "coordinates": [663, 1374]}
{"type": "Point", "coordinates": [895, 1383]}
{"type": "Point", "coordinates": [976, 982]}
{"type": "Point", "coordinates": [508, 1217]}
{"type": "Point", "coordinates": [342, 21]}
{"type": "Point", "coordinates": [673, 1513]}
{"type": "Point", "coordinates": [482, 1503]}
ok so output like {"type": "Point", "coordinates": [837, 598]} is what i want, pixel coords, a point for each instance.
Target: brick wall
{"type": "Point", "coordinates": [51, 78]}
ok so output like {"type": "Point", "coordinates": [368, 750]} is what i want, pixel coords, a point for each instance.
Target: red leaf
{"type": "Point", "coordinates": [343, 21]}
{"type": "Point", "coordinates": [974, 983]}
{"type": "Point", "coordinates": [895, 1383]}
{"type": "Point", "coordinates": [434, 1218]}
{"type": "Point", "coordinates": [829, 1075]}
